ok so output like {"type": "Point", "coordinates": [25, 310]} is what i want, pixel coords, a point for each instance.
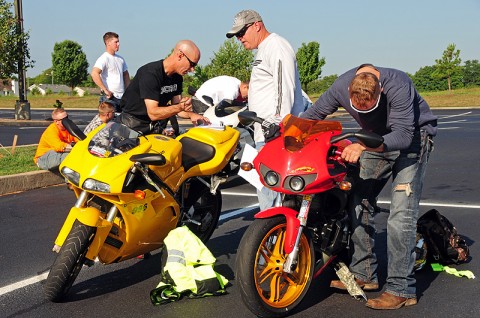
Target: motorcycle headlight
{"type": "Point", "coordinates": [271, 178]}
{"type": "Point", "coordinates": [71, 175]}
{"type": "Point", "coordinates": [297, 183]}
{"type": "Point", "coordinates": [95, 185]}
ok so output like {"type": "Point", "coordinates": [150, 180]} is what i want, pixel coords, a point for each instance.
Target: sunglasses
{"type": "Point", "coordinates": [192, 64]}
{"type": "Point", "coordinates": [364, 111]}
{"type": "Point", "coordinates": [60, 120]}
{"type": "Point", "coordinates": [242, 32]}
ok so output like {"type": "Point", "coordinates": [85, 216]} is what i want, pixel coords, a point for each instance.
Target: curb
{"type": "Point", "coordinates": [28, 181]}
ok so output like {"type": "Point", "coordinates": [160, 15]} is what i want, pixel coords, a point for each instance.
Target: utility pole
{"type": "Point", "coordinates": [22, 106]}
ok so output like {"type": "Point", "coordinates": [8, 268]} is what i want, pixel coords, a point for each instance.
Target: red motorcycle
{"type": "Point", "coordinates": [288, 245]}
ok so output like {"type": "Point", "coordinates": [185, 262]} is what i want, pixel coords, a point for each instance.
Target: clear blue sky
{"type": "Point", "coordinates": [405, 34]}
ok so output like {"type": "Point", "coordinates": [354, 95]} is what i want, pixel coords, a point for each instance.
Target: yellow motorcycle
{"type": "Point", "coordinates": [132, 189]}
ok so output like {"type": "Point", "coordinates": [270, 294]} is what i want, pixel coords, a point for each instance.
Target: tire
{"type": "Point", "coordinates": [69, 262]}
{"type": "Point", "coordinates": [206, 210]}
{"type": "Point", "coordinates": [256, 275]}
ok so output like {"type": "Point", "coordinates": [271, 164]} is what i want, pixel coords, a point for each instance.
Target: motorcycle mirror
{"type": "Point", "coordinates": [208, 99]}
{"type": "Point", "coordinates": [191, 90]}
{"type": "Point", "coordinates": [149, 159]}
{"type": "Point", "coordinates": [226, 107]}
{"type": "Point", "coordinates": [369, 139]}
{"type": "Point", "coordinates": [248, 117]}
{"type": "Point", "coordinates": [73, 129]}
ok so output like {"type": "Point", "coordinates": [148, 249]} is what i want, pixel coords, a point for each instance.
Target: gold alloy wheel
{"type": "Point", "coordinates": [277, 288]}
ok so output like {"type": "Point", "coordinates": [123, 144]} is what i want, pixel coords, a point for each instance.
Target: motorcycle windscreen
{"type": "Point", "coordinates": [112, 140]}
{"type": "Point", "coordinates": [296, 131]}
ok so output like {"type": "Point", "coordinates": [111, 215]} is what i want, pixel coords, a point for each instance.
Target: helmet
{"type": "Point", "coordinates": [420, 253]}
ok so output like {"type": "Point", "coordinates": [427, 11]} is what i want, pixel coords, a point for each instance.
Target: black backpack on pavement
{"type": "Point", "coordinates": [444, 244]}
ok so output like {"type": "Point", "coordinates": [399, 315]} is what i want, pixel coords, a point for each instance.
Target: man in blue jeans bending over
{"type": "Point", "coordinates": [384, 101]}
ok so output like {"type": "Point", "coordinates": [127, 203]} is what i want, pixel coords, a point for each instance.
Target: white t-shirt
{"type": "Point", "coordinates": [219, 88]}
{"type": "Point", "coordinates": [275, 88]}
{"type": "Point", "coordinates": [113, 67]}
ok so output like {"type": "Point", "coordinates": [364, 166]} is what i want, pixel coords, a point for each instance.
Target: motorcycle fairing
{"type": "Point", "coordinates": [285, 164]}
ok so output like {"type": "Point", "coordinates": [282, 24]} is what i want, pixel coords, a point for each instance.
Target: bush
{"type": "Point", "coordinates": [35, 91]}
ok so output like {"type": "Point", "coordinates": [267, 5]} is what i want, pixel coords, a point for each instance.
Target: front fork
{"type": "Point", "coordinates": [291, 259]}
{"type": "Point", "coordinates": [89, 216]}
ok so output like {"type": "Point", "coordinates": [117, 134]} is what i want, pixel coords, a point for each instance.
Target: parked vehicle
{"type": "Point", "coordinates": [132, 189]}
{"type": "Point", "coordinates": [288, 245]}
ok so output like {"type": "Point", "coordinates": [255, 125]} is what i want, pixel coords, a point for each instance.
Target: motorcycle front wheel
{"type": "Point", "coordinates": [266, 289]}
{"type": "Point", "coordinates": [205, 209]}
{"type": "Point", "coordinates": [69, 262]}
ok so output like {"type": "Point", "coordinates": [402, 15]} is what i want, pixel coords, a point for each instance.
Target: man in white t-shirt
{"type": "Point", "coordinates": [275, 88]}
{"type": "Point", "coordinates": [220, 88]}
{"type": "Point", "coordinates": [110, 71]}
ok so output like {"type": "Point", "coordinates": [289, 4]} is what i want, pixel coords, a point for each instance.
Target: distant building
{"type": "Point", "coordinates": [7, 87]}
{"type": "Point", "coordinates": [82, 91]}
{"type": "Point", "coordinates": [64, 89]}
{"type": "Point", "coordinates": [51, 89]}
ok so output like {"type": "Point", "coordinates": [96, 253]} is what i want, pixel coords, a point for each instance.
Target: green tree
{"type": "Point", "coordinates": [231, 59]}
{"type": "Point", "coordinates": [309, 63]}
{"type": "Point", "coordinates": [448, 65]}
{"type": "Point", "coordinates": [11, 39]}
{"type": "Point", "coordinates": [321, 85]}
{"type": "Point", "coordinates": [43, 78]}
{"type": "Point", "coordinates": [424, 80]}
{"type": "Point", "coordinates": [88, 82]}
{"type": "Point", "coordinates": [69, 63]}
{"type": "Point", "coordinates": [471, 73]}
{"type": "Point", "coordinates": [195, 80]}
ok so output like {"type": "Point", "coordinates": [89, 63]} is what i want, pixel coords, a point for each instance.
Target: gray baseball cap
{"type": "Point", "coordinates": [241, 19]}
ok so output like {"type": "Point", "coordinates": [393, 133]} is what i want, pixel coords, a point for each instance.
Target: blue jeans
{"type": "Point", "coordinates": [407, 169]}
{"type": "Point", "coordinates": [51, 160]}
{"type": "Point", "coordinates": [266, 197]}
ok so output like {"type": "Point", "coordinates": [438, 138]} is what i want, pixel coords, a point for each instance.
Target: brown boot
{"type": "Point", "coordinates": [363, 285]}
{"type": "Point", "coordinates": [389, 301]}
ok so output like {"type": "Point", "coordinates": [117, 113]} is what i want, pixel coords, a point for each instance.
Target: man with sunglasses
{"type": "Point", "coordinates": [275, 88]}
{"type": "Point", "coordinates": [55, 143]}
{"type": "Point", "coordinates": [384, 101]}
{"type": "Point", "coordinates": [155, 93]}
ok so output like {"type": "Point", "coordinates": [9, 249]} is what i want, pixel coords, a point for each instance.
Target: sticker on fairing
{"type": "Point", "coordinates": [139, 208]}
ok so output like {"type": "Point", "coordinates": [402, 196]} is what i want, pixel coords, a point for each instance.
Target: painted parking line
{"type": "Point", "coordinates": [23, 283]}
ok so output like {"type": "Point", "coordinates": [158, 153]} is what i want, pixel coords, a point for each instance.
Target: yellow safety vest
{"type": "Point", "coordinates": [187, 269]}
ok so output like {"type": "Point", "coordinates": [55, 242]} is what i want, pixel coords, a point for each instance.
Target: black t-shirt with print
{"type": "Point", "coordinates": [150, 82]}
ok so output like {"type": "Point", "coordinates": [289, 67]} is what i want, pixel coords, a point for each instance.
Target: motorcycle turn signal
{"type": "Point", "coordinates": [246, 166]}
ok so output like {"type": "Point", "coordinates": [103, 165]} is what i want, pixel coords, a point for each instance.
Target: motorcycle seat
{"type": "Point", "coordinates": [195, 152]}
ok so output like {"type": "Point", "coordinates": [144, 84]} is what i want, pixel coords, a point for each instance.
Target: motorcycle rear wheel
{"type": "Point", "coordinates": [69, 262]}
{"type": "Point", "coordinates": [206, 210]}
{"type": "Point", "coordinates": [266, 289]}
